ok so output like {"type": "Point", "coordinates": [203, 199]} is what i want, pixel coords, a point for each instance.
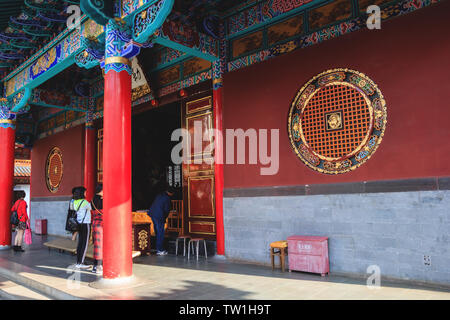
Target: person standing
{"type": "Point", "coordinates": [158, 212]}
{"type": "Point", "coordinates": [71, 207]}
{"type": "Point", "coordinates": [97, 228]}
{"type": "Point", "coordinates": [21, 207]}
{"type": "Point", "coordinates": [83, 209]}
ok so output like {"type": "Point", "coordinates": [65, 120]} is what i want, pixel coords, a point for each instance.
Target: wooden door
{"type": "Point", "coordinates": [198, 178]}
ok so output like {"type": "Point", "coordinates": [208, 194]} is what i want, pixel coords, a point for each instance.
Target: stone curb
{"type": "Point", "coordinates": [40, 287]}
{"type": "Point", "coordinates": [7, 296]}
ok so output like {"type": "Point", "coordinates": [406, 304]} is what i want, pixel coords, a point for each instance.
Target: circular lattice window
{"type": "Point", "coordinates": [54, 170]}
{"type": "Point", "coordinates": [337, 121]}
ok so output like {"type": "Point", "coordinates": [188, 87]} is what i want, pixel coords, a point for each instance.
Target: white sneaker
{"type": "Point", "coordinates": [82, 266]}
{"type": "Point", "coordinates": [97, 270]}
{"type": "Point", "coordinates": [161, 253]}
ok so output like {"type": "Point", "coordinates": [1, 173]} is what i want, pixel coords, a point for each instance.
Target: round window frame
{"type": "Point", "coordinates": [375, 102]}
{"type": "Point", "coordinates": [53, 188]}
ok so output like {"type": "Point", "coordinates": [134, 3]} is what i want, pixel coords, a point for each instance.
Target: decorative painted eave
{"type": "Point", "coordinates": [257, 15]}
{"type": "Point", "coordinates": [57, 55]}
{"type": "Point", "coordinates": [187, 40]}
{"type": "Point", "coordinates": [59, 100]}
{"type": "Point", "coordinates": [145, 19]}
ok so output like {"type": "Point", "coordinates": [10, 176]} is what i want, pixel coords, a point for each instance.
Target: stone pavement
{"type": "Point", "coordinates": [48, 274]}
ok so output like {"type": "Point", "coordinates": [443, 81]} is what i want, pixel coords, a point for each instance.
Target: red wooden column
{"type": "Point", "coordinates": [219, 68]}
{"type": "Point", "coordinates": [117, 227]}
{"type": "Point", "coordinates": [218, 169]}
{"type": "Point", "coordinates": [7, 140]}
{"type": "Point", "coordinates": [89, 160]}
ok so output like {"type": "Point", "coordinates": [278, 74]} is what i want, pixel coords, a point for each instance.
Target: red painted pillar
{"type": "Point", "coordinates": [7, 140]}
{"type": "Point", "coordinates": [89, 160]}
{"type": "Point", "coordinates": [218, 170]}
{"type": "Point", "coordinates": [117, 242]}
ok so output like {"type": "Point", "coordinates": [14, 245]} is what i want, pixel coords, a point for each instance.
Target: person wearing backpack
{"type": "Point", "coordinates": [20, 206]}
{"type": "Point", "coordinates": [83, 209]}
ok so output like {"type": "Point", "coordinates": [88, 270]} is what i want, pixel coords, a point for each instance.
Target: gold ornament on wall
{"type": "Point", "coordinates": [54, 170]}
{"type": "Point", "coordinates": [337, 121]}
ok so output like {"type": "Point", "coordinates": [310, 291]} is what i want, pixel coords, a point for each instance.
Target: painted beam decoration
{"type": "Point", "coordinates": [57, 55]}
{"type": "Point", "coordinates": [146, 22]}
{"type": "Point", "coordinates": [19, 99]}
{"type": "Point", "coordinates": [53, 99]}
{"type": "Point", "coordinates": [265, 12]}
{"type": "Point", "coordinates": [93, 40]}
{"type": "Point", "coordinates": [123, 38]}
{"type": "Point", "coordinates": [327, 32]}
{"type": "Point", "coordinates": [129, 7]}
{"type": "Point", "coordinates": [98, 10]}
{"type": "Point", "coordinates": [7, 119]}
{"type": "Point", "coordinates": [183, 38]}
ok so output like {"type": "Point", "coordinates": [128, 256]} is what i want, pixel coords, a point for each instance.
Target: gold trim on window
{"type": "Point", "coordinates": [211, 177]}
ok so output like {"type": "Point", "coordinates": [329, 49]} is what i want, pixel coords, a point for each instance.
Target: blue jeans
{"type": "Point", "coordinates": [158, 226]}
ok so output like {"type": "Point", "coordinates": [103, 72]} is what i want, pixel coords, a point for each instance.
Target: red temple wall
{"type": "Point", "coordinates": [407, 59]}
{"type": "Point", "coordinates": [71, 143]}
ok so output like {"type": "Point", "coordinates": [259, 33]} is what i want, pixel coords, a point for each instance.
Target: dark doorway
{"type": "Point", "coordinates": [151, 151]}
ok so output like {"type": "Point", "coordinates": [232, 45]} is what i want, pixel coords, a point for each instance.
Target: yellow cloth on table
{"type": "Point", "coordinates": [279, 244]}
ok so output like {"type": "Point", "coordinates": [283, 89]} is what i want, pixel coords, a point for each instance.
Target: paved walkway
{"type": "Point", "coordinates": [175, 278]}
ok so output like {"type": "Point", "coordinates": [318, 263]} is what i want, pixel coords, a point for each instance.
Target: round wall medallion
{"type": "Point", "coordinates": [54, 170]}
{"type": "Point", "coordinates": [337, 121]}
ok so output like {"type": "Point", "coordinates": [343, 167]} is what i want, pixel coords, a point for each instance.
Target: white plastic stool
{"type": "Point", "coordinates": [193, 249]}
{"type": "Point", "coordinates": [184, 238]}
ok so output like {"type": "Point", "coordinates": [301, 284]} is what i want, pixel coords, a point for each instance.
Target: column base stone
{"type": "Point", "coordinates": [119, 283]}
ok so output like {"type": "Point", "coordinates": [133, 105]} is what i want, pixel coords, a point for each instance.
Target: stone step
{"type": "Point", "coordinates": [10, 290]}
{"type": "Point", "coordinates": [53, 287]}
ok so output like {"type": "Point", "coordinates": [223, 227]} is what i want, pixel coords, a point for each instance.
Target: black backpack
{"type": "Point", "coordinates": [14, 217]}
{"type": "Point", "coordinates": [72, 224]}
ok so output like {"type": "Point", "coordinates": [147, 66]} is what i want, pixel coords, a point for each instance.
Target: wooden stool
{"type": "Point", "coordinates": [278, 248]}
{"type": "Point", "coordinates": [184, 244]}
{"type": "Point", "coordinates": [193, 249]}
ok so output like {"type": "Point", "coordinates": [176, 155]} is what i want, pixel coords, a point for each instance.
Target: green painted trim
{"type": "Point", "coordinates": [45, 105]}
{"type": "Point", "coordinates": [23, 102]}
{"type": "Point", "coordinates": [50, 74]}
{"type": "Point", "coordinates": [94, 12]}
{"type": "Point", "coordinates": [161, 16]}
{"type": "Point", "coordinates": [190, 51]}
{"type": "Point", "coordinates": [185, 77]}
{"type": "Point", "coordinates": [98, 95]}
{"type": "Point", "coordinates": [54, 115]}
{"type": "Point", "coordinates": [130, 17]}
{"type": "Point", "coordinates": [171, 63]}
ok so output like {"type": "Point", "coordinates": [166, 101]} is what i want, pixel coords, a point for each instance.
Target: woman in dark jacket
{"type": "Point", "coordinates": [21, 207]}
{"type": "Point", "coordinates": [97, 228]}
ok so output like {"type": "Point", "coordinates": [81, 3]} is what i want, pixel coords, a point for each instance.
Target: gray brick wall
{"type": "Point", "coordinates": [391, 230]}
{"type": "Point", "coordinates": [54, 211]}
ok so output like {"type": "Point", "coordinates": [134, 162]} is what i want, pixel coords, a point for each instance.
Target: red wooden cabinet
{"type": "Point", "coordinates": [308, 254]}
{"type": "Point", "coordinates": [40, 226]}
